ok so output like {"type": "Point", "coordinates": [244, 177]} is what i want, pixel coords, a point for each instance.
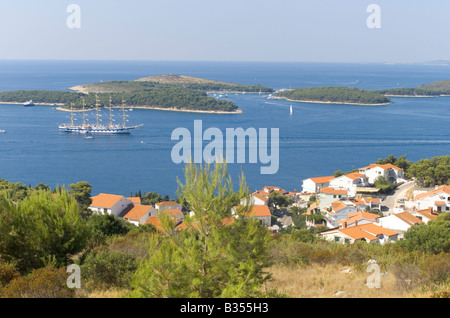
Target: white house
{"type": "Point", "coordinates": [384, 235]}
{"type": "Point", "coordinates": [389, 171]}
{"type": "Point", "coordinates": [350, 182]}
{"type": "Point", "coordinates": [359, 218]}
{"type": "Point", "coordinates": [328, 195]}
{"type": "Point", "coordinates": [399, 222]}
{"type": "Point", "coordinates": [437, 199]}
{"type": "Point", "coordinates": [261, 213]}
{"type": "Point", "coordinates": [425, 215]}
{"type": "Point", "coordinates": [313, 185]}
{"type": "Point", "coordinates": [258, 199]}
{"type": "Point", "coordinates": [337, 211]}
{"type": "Point", "coordinates": [109, 204]}
{"type": "Point", "coordinates": [348, 235]}
{"type": "Point", "coordinates": [137, 214]}
{"type": "Point", "coordinates": [370, 233]}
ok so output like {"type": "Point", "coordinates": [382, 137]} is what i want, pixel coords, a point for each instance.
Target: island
{"type": "Point", "coordinates": [334, 95]}
{"type": "Point", "coordinates": [435, 89]}
{"type": "Point", "coordinates": [162, 92]}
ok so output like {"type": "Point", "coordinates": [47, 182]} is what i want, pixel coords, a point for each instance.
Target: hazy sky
{"type": "Point", "coordinates": [231, 30]}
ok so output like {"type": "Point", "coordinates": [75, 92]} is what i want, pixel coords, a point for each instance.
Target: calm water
{"type": "Point", "coordinates": [316, 140]}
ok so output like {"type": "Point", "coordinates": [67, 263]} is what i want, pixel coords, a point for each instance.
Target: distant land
{"type": "Point", "coordinates": [439, 88]}
{"type": "Point", "coordinates": [334, 95]}
{"type": "Point", "coordinates": [163, 92]}
{"type": "Point", "coordinates": [185, 93]}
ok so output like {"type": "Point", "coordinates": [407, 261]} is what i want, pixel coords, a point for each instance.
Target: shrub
{"type": "Point", "coordinates": [47, 282]}
{"type": "Point", "coordinates": [107, 269]}
{"type": "Point", "coordinates": [8, 272]}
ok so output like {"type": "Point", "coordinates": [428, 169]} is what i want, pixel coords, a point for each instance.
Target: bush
{"type": "Point", "coordinates": [103, 225]}
{"type": "Point", "coordinates": [47, 282]}
{"type": "Point", "coordinates": [107, 269]}
{"type": "Point", "coordinates": [8, 272]}
{"type": "Point", "coordinates": [433, 237]}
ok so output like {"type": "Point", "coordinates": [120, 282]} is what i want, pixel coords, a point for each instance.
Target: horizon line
{"type": "Point", "coordinates": [429, 63]}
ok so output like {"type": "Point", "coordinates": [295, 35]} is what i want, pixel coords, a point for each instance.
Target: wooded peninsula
{"type": "Point", "coordinates": [172, 92]}
{"type": "Point", "coordinates": [334, 95]}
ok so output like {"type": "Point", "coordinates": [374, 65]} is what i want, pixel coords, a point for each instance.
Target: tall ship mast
{"type": "Point", "coordinates": [97, 128]}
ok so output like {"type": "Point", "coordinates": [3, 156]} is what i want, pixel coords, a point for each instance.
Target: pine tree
{"type": "Point", "coordinates": [216, 255]}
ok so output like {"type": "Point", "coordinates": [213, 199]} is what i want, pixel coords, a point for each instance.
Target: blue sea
{"type": "Point", "coordinates": [316, 140]}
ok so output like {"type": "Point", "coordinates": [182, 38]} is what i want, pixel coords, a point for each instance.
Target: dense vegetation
{"type": "Point", "coordinates": [189, 94]}
{"type": "Point", "coordinates": [434, 89]}
{"type": "Point", "coordinates": [164, 97]}
{"type": "Point", "coordinates": [431, 172]}
{"type": "Point", "coordinates": [335, 95]}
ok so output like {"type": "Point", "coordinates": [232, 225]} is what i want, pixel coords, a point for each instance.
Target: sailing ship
{"type": "Point", "coordinates": [98, 128]}
{"type": "Point", "coordinates": [290, 112]}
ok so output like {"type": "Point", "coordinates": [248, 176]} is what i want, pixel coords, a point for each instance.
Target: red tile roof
{"type": "Point", "coordinates": [333, 191]}
{"type": "Point", "coordinates": [167, 203]}
{"type": "Point", "coordinates": [428, 213]}
{"type": "Point", "coordinates": [135, 200]}
{"type": "Point", "coordinates": [319, 180]}
{"type": "Point", "coordinates": [384, 167]}
{"type": "Point", "coordinates": [135, 212]}
{"type": "Point", "coordinates": [408, 218]}
{"type": "Point", "coordinates": [440, 189]}
{"type": "Point", "coordinates": [172, 212]}
{"type": "Point", "coordinates": [105, 201]}
{"type": "Point", "coordinates": [260, 210]}
{"type": "Point", "coordinates": [356, 233]}
{"type": "Point", "coordinates": [260, 196]}
{"type": "Point", "coordinates": [376, 229]}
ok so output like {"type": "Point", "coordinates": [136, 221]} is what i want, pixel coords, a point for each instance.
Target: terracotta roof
{"type": "Point", "coordinates": [135, 200]}
{"type": "Point", "coordinates": [135, 211]}
{"type": "Point", "coordinates": [156, 222]}
{"type": "Point", "coordinates": [356, 233]}
{"type": "Point", "coordinates": [336, 206]}
{"type": "Point", "coordinates": [439, 203]}
{"type": "Point", "coordinates": [362, 215]}
{"type": "Point", "coordinates": [104, 200]}
{"type": "Point", "coordinates": [408, 218]}
{"type": "Point", "coordinates": [355, 175]}
{"type": "Point", "coordinates": [359, 201]}
{"type": "Point", "coordinates": [427, 213]}
{"type": "Point", "coordinates": [322, 179]}
{"type": "Point", "coordinates": [440, 189]}
{"type": "Point", "coordinates": [333, 191]}
{"type": "Point", "coordinates": [260, 210]}
{"type": "Point", "coordinates": [172, 212]}
{"type": "Point", "coordinates": [372, 200]}
{"type": "Point", "coordinates": [376, 229]}
{"type": "Point", "coordinates": [385, 166]}
{"type": "Point", "coordinates": [260, 196]}
{"type": "Point", "coordinates": [167, 203]}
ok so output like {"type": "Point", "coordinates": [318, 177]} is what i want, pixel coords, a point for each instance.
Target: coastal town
{"type": "Point", "coordinates": [345, 209]}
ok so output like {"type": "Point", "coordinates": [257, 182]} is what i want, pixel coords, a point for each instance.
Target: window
{"type": "Point", "coordinates": [337, 238]}
{"type": "Point", "coordinates": [347, 240]}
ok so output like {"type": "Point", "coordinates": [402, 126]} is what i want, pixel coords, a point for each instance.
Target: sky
{"type": "Point", "coordinates": [232, 30]}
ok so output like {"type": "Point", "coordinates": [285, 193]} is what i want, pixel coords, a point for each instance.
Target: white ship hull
{"type": "Point", "coordinates": [97, 130]}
